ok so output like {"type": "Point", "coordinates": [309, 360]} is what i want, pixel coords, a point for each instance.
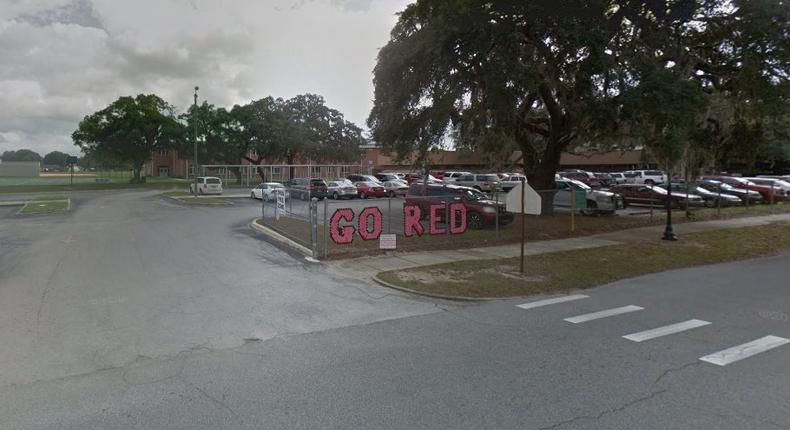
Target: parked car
{"type": "Point", "coordinates": [396, 188]}
{"type": "Point", "coordinates": [582, 176]}
{"type": "Point", "coordinates": [367, 189]}
{"type": "Point", "coordinates": [362, 178]}
{"type": "Point", "coordinates": [413, 177]}
{"type": "Point", "coordinates": [655, 195]}
{"type": "Point", "coordinates": [511, 181]}
{"type": "Point", "coordinates": [711, 199]}
{"type": "Point", "coordinates": [605, 179]}
{"type": "Point", "coordinates": [451, 177]}
{"type": "Point", "coordinates": [480, 210]}
{"type": "Point", "coordinates": [746, 196]}
{"type": "Point", "coordinates": [775, 182]}
{"type": "Point", "coordinates": [654, 177]}
{"type": "Point", "coordinates": [307, 188]}
{"type": "Point", "coordinates": [206, 185]}
{"type": "Point", "coordinates": [384, 177]}
{"type": "Point", "coordinates": [267, 191]}
{"type": "Point", "coordinates": [341, 189]}
{"type": "Point", "coordinates": [481, 182]}
{"type": "Point", "coordinates": [595, 201]}
{"type": "Point", "coordinates": [768, 193]}
{"type": "Point", "coordinates": [617, 178]}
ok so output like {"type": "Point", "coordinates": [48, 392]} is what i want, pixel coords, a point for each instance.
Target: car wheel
{"type": "Point", "coordinates": [334, 195]}
{"type": "Point", "coordinates": [649, 182]}
{"type": "Point", "coordinates": [363, 196]}
{"type": "Point", "coordinates": [477, 187]}
{"type": "Point", "coordinates": [252, 196]}
{"type": "Point", "coordinates": [710, 203]}
{"type": "Point", "coordinates": [391, 194]}
{"type": "Point", "coordinates": [592, 208]}
{"type": "Point", "coordinates": [474, 221]}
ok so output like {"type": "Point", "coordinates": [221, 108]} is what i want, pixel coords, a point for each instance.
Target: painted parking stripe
{"type": "Point", "coordinates": [603, 314]}
{"type": "Point", "coordinates": [553, 301]}
{"type": "Point", "coordinates": [737, 353]}
{"type": "Point", "coordinates": [665, 330]}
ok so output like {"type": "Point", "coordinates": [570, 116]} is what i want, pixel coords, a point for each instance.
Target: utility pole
{"type": "Point", "coordinates": [195, 138]}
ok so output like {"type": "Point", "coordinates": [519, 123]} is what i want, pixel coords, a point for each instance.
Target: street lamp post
{"type": "Point", "coordinates": [195, 138]}
{"type": "Point", "coordinates": [668, 233]}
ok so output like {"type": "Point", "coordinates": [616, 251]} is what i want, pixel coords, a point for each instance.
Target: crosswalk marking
{"type": "Point", "coordinates": [553, 301]}
{"type": "Point", "coordinates": [665, 330]}
{"type": "Point", "coordinates": [746, 350]}
{"type": "Point", "coordinates": [603, 314]}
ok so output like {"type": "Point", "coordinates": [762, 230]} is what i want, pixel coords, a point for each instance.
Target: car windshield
{"type": "Point", "coordinates": [579, 185]}
{"type": "Point", "coordinates": [213, 181]}
{"type": "Point", "coordinates": [490, 178]}
{"type": "Point", "coordinates": [658, 190]}
{"type": "Point", "coordinates": [654, 173]}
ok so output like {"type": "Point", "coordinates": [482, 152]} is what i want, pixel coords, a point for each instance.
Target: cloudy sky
{"type": "Point", "coordinates": [63, 59]}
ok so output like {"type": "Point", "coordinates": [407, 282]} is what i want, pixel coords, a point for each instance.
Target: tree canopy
{"type": "Point", "coordinates": [20, 155]}
{"type": "Point", "coordinates": [545, 77]}
{"type": "Point", "coordinates": [129, 130]}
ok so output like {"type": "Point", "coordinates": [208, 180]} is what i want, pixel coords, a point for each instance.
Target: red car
{"type": "Point", "coordinates": [769, 194]}
{"type": "Point", "coordinates": [653, 195]}
{"type": "Point", "coordinates": [370, 189]}
{"type": "Point", "coordinates": [480, 209]}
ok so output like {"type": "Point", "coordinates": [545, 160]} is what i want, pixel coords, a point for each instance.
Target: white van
{"type": "Point", "coordinates": [206, 185]}
{"type": "Point", "coordinates": [647, 177]}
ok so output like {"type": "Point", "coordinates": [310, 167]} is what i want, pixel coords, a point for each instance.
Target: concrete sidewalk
{"type": "Point", "coordinates": [366, 267]}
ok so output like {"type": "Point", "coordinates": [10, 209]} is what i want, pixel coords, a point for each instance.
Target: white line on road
{"type": "Point", "coordinates": [665, 330]}
{"type": "Point", "coordinates": [736, 353]}
{"type": "Point", "coordinates": [603, 314]}
{"type": "Point", "coordinates": [553, 301]}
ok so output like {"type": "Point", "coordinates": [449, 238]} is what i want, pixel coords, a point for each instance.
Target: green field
{"type": "Point", "coordinates": [84, 181]}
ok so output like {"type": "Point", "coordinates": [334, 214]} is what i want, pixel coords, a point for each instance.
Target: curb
{"type": "Point", "coordinates": [177, 199]}
{"type": "Point", "coordinates": [13, 203]}
{"type": "Point", "coordinates": [283, 240]}
{"type": "Point", "coordinates": [383, 283]}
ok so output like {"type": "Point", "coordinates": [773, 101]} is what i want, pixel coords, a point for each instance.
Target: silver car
{"type": "Point", "coordinates": [595, 201]}
{"type": "Point", "coordinates": [341, 189]}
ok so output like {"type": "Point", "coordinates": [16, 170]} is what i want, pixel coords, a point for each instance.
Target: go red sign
{"type": "Point", "coordinates": [368, 224]}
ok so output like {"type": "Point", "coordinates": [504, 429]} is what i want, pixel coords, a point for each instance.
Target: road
{"type": "Point", "coordinates": [134, 312]}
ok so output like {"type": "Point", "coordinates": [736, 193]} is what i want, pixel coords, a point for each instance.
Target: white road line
{"type": "Point", "coordinates": [603, 314]}
{"type": "Point", "coordinates": [665, 330]}
{"type": "Point", "coordinates": [736, 353]}
{"type": "Point", "coordinates": [553, 301]}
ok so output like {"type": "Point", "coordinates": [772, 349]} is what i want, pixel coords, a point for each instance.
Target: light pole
{"type": "Point", "coordinates": [668, 233]}
{"type": "Point", "coordinates": [195, 138]}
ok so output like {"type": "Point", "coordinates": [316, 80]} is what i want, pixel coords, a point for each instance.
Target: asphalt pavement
{"type": "Point", "coordinates": [135, 312]}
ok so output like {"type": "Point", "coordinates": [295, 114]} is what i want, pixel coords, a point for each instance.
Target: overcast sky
{"type": "Point", "coordinates": [63, 59]}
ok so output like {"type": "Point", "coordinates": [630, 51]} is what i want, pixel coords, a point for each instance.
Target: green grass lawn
{"type": "Point", "coordinates": [37, 207]}
{"type": "Point", "coordinates": [102, 180]}
{"type": "Point", "coordinates": [567, 270]}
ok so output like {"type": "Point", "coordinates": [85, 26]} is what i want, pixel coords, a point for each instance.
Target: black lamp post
{"type": "Point", "coordinates": [668, 233]}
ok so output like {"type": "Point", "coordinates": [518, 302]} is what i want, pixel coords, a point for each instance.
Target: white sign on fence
{"type": "Point", "coordinates": [280, 209]}
{"type": "Point", "coordinates": [531, 200]}
{"type": "Point", "coordinates": [387, 241]}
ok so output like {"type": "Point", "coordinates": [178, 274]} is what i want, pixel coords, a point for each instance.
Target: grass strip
{"type": "Point", "coordinates": [579, 269]}
{"type": "Point", "coordinates": [38, 207]}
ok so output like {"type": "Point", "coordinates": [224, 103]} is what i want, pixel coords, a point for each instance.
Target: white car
{"type": "Point", "coordinates": [267, 191]}
{"type": "Point", "coordinates": [512, 180]}
{"type": "Point", "coordinates": [451, 177]}
{"type": "Point", "coordinates": [618, 178]}
{"type": "Point", "coordinates": [772, 182]}
{"type": "Point", "coordinates": [206, 185]}
{"type": "Point", "coordinates": [646, 177]}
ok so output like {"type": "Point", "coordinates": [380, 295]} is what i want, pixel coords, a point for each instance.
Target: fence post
{"type": "Point", "coordinates": [651, 202]}
{"type": "Point", "coordinates": [573, 209]}
{"type": "Point", "coordinates": [263, 206]}
{"type": "Point", "coordinates": [447, 217]}
{"type": "Point", "coordinates": [772, 193]}
{"type": "Point", "coordinates": [326, 229]}
{"type": "Point", "coordinates": [496, 216]}
{"type": "Point", "coordinates": [718, 202]}
{"type": "Point", "coordinates": [314, 225]}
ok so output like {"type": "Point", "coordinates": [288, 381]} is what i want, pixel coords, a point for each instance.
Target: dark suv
{"type": "Point", "coordinates": [307, 188]}
{"type": "Point", "coordinates": [480, 210]}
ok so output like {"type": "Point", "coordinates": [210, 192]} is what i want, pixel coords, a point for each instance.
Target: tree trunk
{"type": "Point", "coordinates": [236, 172]}
{"type": "Point", "coordinates": [291, 169]}
{"type": "Point", "coordinates": [136, 173]}
{"type": "Point", "coordinates": [540, 173]}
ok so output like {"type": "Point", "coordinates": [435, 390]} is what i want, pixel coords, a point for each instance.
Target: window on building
{"type": "Point", "coordinates": [275, 170]}
{"type": "Point", "coordinates": [220, 171]}
{"type": "Point", "coordinates": [163, 151]}
{"type": "Point", "coordinates": [345, 170]}
{"type": "Point", "coordinates": [315, 170]}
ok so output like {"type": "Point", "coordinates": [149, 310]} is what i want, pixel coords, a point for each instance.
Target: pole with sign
{"type": "Point", "coordinates": [524, 200]}
{"type": "Point", "coordinates": [280, 209]}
